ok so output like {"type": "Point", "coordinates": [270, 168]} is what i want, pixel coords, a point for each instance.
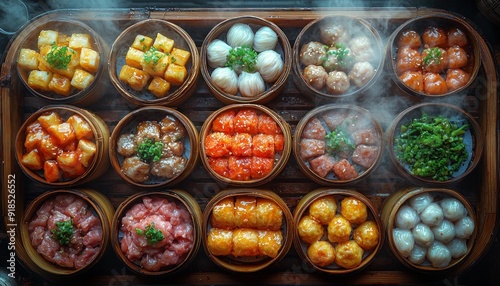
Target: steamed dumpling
{"type": "Point", "coordinates": [265, 39]}
{"type": "Point", "coordinates": [269, 65]}
{"type": "Point", "coordinates": [423, 235]}
{"type": "Point", "coordinates": [226, 79]}
{"type": "Point", "coordinates": [439, 255]}
{"type": "Point", "coordinates": [239, 35]}
{"type": "Point", "coordinates": [444, 231]}
{"type": "Point", "coordinates": [421, 201]}
{"type": "Point", "coordinates": [464, 227]}
{"type": "Point", "coordinates": [457, 247]}
{"type": "Point", "coordinates": [217, 52]}
{"type": "Point", "coordinates": [251, 84]}
{"type": "Point", "coordinates": [403, 240]}
{"type": "Point", "coordinates": [406, 217]}
{"type": "Point", "coordinates": [453, 209]}
{"type": "Point", "coordinates": [417, 255]}
{"type": "Point", "coordinates": [432, 215]}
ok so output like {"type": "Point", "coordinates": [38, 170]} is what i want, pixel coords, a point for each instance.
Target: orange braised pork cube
{"type": "Point", "coordinates": [51, 171]}
{"type": "Point", "coordinates": [240, 168]}
{"type": "Point", "coordinates": [48, 148]}
{"type": "Point", "coordinates": [34, 135]}
{"type": "Point", "coordinates": [218, 144]}
{"type": "Point", "coordinates": [70, 164]}
{"type": "Point", "coordinates": [63, 133]}
{"type": "Point", "coordinates": [32, 160]}
{"type": "Point", "coordinates": [261, 167]}
{"type": "Point", "coordinates": [246, 120]}
{"type": "Point", "coordinates": [49, 118]}
{"type": "Point", "coordinates": [310, 148]}
{"type": "Point", "coordinates": [159, 87]}
{"type": "Point", "coordinates": [263, 145]}
{"type": "Point", "coordinates": [87, 150]}
{"type": "Point", "coordinates": [136, 78]}
{"type": "Point", "coordinates": [224, 122]}
{"type": "Point", "coordinates": [344, 170]}
{"type": "Point", "coordinates": [267, 125]}
{"type": "Point", "coordinates": [242, 144]}
{"type": "Point", "coordinates": [81, 127]}
{"type": "Point", "coordinates": [322, 165]}
{"type": "Point", "coordinates": [219, 166]}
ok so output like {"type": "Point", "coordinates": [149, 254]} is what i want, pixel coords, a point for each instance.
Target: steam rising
{"type": "Point", "coordinates": [13, 14]}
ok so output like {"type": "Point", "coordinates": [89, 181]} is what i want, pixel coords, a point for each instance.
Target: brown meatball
{"type": "Point", "coordinates": [323, 209]}
{"type": "Point", "coordinates": [168, 167]}
{"type": "Point", "coordinates": [410, 39]}
{"type": "Point", "coordinates": [348, 254]}
{"type": "Point", "coordinates": [456, 37]}
{"type": "Point", "coordinates": [173, 128]}
{"type": "Point", "coordinates": [361, 48]}
{"type": "Point", "coordinates": [434, 84]}
{"type": "Point", "coordinates": [337, 82]}
{"type": "Point", "coordinates": [413, 79]}
{"type": "Point", "coordinates": [309, 229]}
{"type": "Point", "coordinates": [408, 59]}
{"type": "Point", "coordinates": [361, 73]}
{"type": "Point", "coordinates": [321, 253]}
{"type": "Point", "coordinates": [434, 37]}
{"type": "Point", "coordinates": [148, 130]}
{"type": "Point", "coordinates": [136, 169]}
{"type": "Point", "coordinates": [353, 210]}
{"type": "Point", "coordinates": [457, 57]}
{"type": "Point", "coordinates": [312, 53]}
{"type": "Point", "coordinates": [315, 76]}
{"type": "Point", "coordinates": [367, 235]}
{"type": "Point", "coordinates": [456, 78]}
{"type": "Point", "coordinates": [333, 33]}
{"type": "Point", "coordinates": [434, 60]}
{"type": "Point", "coordinates": [126, 145]}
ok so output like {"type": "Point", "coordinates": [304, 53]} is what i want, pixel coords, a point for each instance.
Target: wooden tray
{"type": "Point", "coordinates": [480, 187]}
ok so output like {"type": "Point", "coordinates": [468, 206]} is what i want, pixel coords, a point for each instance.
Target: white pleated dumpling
{"type": "Point", "coordinates": [226, 79]}
{"type": "Point", "coordinates": [444, 231]}
{"type": "Point", "coordinates": [421, 201]}
{"type": "Point", "coordinates": [464, 227]}
{"type": "Point", "coordinates": [217, 52]}
{"type": "Point", "coordinates": [439, 255]}
{"type": "Point", "coordinates": [423, 235]}
{"type": "Point", "coordinates": [251, 84]}
{"type": "Point", "coordinates": [239, 35]}
{"type": "Point", "coordinates": [270, 65]}
{"type": "Point", "coordinates": [457, 247]}
{"type": "Point", "coordinates": [453, 209]}
{"type": "Point", "coordinates": [406, 217]}
{"type": "Point", "coordinates": [265, 39]}
{"type": "Point", "coordinates": [432, 215]}
{"type": "Point", "coordinates": [403, 240]}
{"type": "Point", "coordinates": [417, 255]}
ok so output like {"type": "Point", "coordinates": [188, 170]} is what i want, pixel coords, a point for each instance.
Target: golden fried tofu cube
{"type": "Point", "coordinates": [176, 74]}
{"type": "Point", "coordinates": [135, 78]}
{"type": "Point", "coordinates": [63, 40]}
{"type": "Point", "coordinates": [60, 84]}
{"type": "Point", "coordinates": [78, 41]}
{"type": "Point", "coordinates": [32, 160]}
{"type": "Point", "coordinates": [81, 79]}
{"type": "Point", "coordinates": [142, 43]}
{"type": "Point", "coordinates": [49, 118]}
{"type": "Point", "coordinates": [155, 62]}
{"type": "Point", "coordinates": [63, 133]}
{"type": "Point", "coordinates": [134, 58]}
{"type": "Point", "coordinates": [47, 37]}
{"type": "Point", "coordinates": [70, 164]}
{"type": "Point", "coordinates": [163, 43]}
{"type": "Point", "coordinates": [42, 64]}
{"type": "Point", "coordinates": [89, 60]}
{"type": "Point", "coordinates": [51, 171]}
{"type": "Point", "coordinates": [180, 56]}
{"type": "Point", "coordinates": [81, 127]}
{"type": "Point", "coordinates": [159, 87]}
{"type": "Point", "coordinates": [44, 50]}
{"type": "Point", "coordinates": [62, 60]}
{"type": "Point", "coordinates": [87, 150]}
{"type": "Point", "coordinates": [28, 59]}
{"type": "Point", "coordinates": [39, 79]}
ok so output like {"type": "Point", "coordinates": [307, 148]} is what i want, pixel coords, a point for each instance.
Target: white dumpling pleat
{"type": "Point", "coordinates": [270, 65]}
{"type": "Point", "coordinates": [265, 39]}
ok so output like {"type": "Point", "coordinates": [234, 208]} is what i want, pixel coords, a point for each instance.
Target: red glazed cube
{"type": "Point", "coordinates": [242, 144]}
{"type": "Point", "coordinates": [219, 166]}
{"type": "Point", "coordinates": [365, 155]}
{"type": "Point", "coordinates": [218, 144]}
{"type": "Point", "coordinates": [247, 121]}
{"type": "Point", "coordinates": [279, 142]}
{"type": "Point", "coordinates": [51, 171]}
{"type": "Point", "coordinates": [63, 133]}
{"type": "Point", "coordinates": [240, 168]}
{"type": "Point", "coordinates": [261, 167]}
{"type": "Point", "coordinates": [263, 145]}
{"type": "Point", "coordinates": [310, 148]}
{"type": "Point", "coordinates": [224, 122]}
{"type": "Point", "coordinates": [344, 170]}
{"type": "Point", "coordinates": [322, 165]}
{"type": "Point", "coordinates": [267, 125]}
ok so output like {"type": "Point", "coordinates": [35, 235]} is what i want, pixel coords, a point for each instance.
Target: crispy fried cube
{"type": "Point", "coordinates": [240, 168]}
{"type": "Point", "coordinates": [163, 43]}
{"type": "Point", "coordinates": [242, 144]}
{"type": "Point", "coordinates": [51, 171]}
{"type": "Point", "coordinates": [135, 78]}
{"type": "Point", "coordinates": [81, 127]}
{"type": "Point", "coordinates": [142, 43]}
{"type": "Point", "coordinates": [28, 59]}
{"type": "Point", "coordinates": [87, 149]}
{"type": "Point", "coordinates": [48, 148]}
{"type": "Point", "coordinates": [39, 80]}
{"type": "Point", "coordinates": [176, 74]}
{"type": "Point", "coordinates": [63, 133]}
{"type": "Point", "coordinates": [32, 160]}
{"type": "Point", "coordinates": [63, 39]}
{"type": "Point", "coordinates": [53, 60]}
{"type": "Point", "coordinates": [34, 136]}
{"type": "Point", "coordinates": [263, 145]}
{"type": "Point", "coordinates": [78, 41]}
{"type": "Point", "coordinates": [60, 84]}
{"type": "Point", "coordinates": [47, 37]}
{"type": "Point", "coordinates": [159, 87]}
{"type": "Point", "coordinates": [155, 62]}
{"type": "Point", "coordinates": [81, 79]}
{"type": "Point", "coordinates": [89, 60]}
{"type": "Point", "coordinates": [181, 57]}
{"type": "Point", "coordinates": [70, 164]}
{"type": "Point", "coordinates": [134, 57]}
{"type": "Point", "coordinates": [49, 118]}
{"type": "Point", "coordinates": [44, 50]}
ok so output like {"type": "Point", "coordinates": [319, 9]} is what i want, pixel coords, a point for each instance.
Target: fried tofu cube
{"type": "Point", "coordinates": [51, 171]}
{"type": "Point", "coordinates": [81, 127]}
{"type": "Point", "coordinates": [32, 160]}
{"type": "Point", "coordinates": [63, 40]}
{"type": "Point", "coordinates": [89, 60]}
{"type": "Point", "coordinates": [163, 43]}
{"type": "Point", "coordinates": [159, 87]}
{"type": "Point", "coordinates": [60, 85]}
{"type": "Point", "coordinates": [81, 79]}
{"type": "Point", "coordinates": [34, 137]}
{"type": "Point", "coordinates": [63, 133]}
{"type": "Point", "coordinates": [155, 62]}
{"type": "Point", "coordinates": [87, 150]}
{"type": "Point", "coordinates": [176, 74]}
{"type": "Point", "coordinates": [54, 60]}
{"type": "Point", "coordinates": [49, 149]}
{"type": "Point", "coordinates": [135, 78]}
{"type": "Point", "coordinates": [39, 79]}
{"type": "Point", "coordinates": [70, 164]}
{"type": "Point", "coordinates": [47, 37]}
{"type": "Point", "coordinates": [142, 43]}
{"type": "Point", "coordinates": [28, 59]}
{"type": "Point", "coordinates": [44, 50]}
{"type": "Point", "coordinates": [134, 58]}
{"type": "Point", "coordinates": [180, 56]}
{"type": "Point", "coordinates": [78, 41]}
{"type": "Point", "coordinates": [49, 118]}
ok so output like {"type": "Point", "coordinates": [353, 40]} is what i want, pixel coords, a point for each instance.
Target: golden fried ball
{"type": "Point", "coordinates": [323, 209]}
{"type": "Point", "coordinates": [348, 254]}
{"type": "Point", "coordinates": [321, 253]}
{"type": "Point", "coordinates": [353, 210]}
{"type": "Point", "coordinates": [310, 230]}
{"type": "Point", "coordinates": [339, 229]}
{"type": "Point", "coordinates": [366, 235]}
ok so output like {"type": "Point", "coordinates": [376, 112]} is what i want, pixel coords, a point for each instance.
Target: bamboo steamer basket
{"type": "Point", "coordinates": [446, 22]}
{"type": "Point", "coordinates": [129, 123]}
{"type": "Point", "coordinates": [100, 162]}
{"type": "Point", "coordinates": [280, 158]}
{"type": "Point", "coordinates": [362, 115]}
{"type": "Point", "coordinates": [85, 97]}
{"type": "Point", "coordinates": [180, 197]}
{"type": "Point", "coordinates": [101, 207]}
{"type": "Point", "coordinates": [272, 89]}
{"type": "Point", "coordinates": [182, 40]}
{"type": "Point", "coordinates": [311, 32]}
{"type": "Point", "coordinates": [474, 140]}
{"type": "Point", "coordinates": [490, 9]}
{"type": "Point", "coordinates": [388, 214]}
{"type": "Point", "coordinates": [248, 264]}
{"type": "Point", "coordinates": [302, 210]}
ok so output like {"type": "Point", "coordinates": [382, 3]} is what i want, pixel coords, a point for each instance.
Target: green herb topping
{"type": "Point", "coordinates": [343, 55]}
{"type": "Point", "coordinates": [432, 146]}
{"type": "Point", "coordinates": [150, 150]}
{"type": "Point", "coordinates": [153, 235]}
{"type": "Point", "coordinates": [59, 57]}
{"type": "Point", "coordinates": [63, 232]}
{"type": "Point", "coordinates": [153, 55]}
{"type": "Point", "coordinates": [433, 55]}
{"type": "Point", "coordinates": [338, 141]}
{"type": "Point", "coordinates": [243, 57]}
